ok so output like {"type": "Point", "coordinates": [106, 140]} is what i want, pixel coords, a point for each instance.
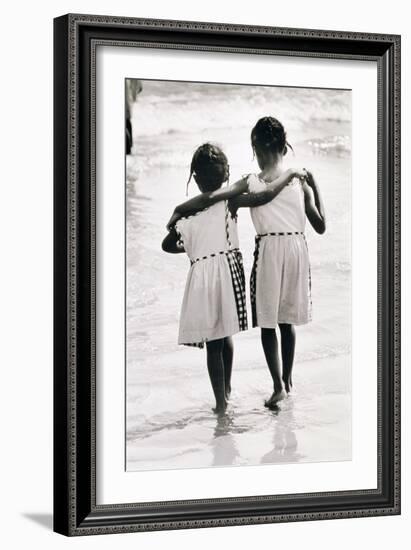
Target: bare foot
{"type": "Point", "coordinates": [288, 385]}
{"type": "Point", "coordinates": [275, 398]}
{"type": "Point", "coordinates": [227, 393]}
{"type": "Point", "coordinates": [220, 408]}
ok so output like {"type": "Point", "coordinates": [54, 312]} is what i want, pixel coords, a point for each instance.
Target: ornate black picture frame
{"type": "Point", "coordinates": [76, 38]}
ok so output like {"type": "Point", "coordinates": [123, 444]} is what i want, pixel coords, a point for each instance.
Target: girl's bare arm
{"type": "Point", "coordinates": [268, 194]}
{"type": "Point", "coordinates": [314, 206]}
{"type": "Point", "coordinates": [205, 200]}
{"type": "Point", "coordinates": [171, 243]}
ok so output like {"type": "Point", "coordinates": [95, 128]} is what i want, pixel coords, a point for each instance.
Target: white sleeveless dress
{"type": "Point", "coordinates": [280, 283]}
{"type": "Point", "coordinates": [214, 303]}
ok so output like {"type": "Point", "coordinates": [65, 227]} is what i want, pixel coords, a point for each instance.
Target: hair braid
{"type": "Point", "coordinates": [209, 166]}
{"type": "Point", "coordinates": [269, 135]}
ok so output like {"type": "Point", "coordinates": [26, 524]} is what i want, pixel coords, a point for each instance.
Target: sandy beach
{"type": "Point", "coordinates": [312, 425]}
{"type": "Point", "coordinates": [170, 423]}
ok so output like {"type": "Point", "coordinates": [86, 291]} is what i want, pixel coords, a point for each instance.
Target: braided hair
{"type": "Point", "coordinates": [269, 136]}
{"type": "Point", "coordinates": [209, 167]}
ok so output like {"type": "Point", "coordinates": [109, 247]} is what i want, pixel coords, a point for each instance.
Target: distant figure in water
{"type": "Point", "coordinates": [214, 304]}
{"type": "Point", "coordinates": [133, 88]}
{"type": "Point", "coordinates": [280, 283]}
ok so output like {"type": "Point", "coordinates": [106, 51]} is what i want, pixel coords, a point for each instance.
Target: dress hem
{"type": "Point", "coordinates": [203, 340]}
{"type": "Point", "coordinates": [281, 322]}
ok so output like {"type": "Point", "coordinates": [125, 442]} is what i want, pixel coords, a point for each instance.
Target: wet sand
{"type": "Point", "coordinates": [179, 430]}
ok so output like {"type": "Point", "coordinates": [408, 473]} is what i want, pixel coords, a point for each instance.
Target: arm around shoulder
{"type": "Point", "coordinates": [258, 198]}
{"type": "Point", "coordinates": [314, 206]}
{"type": "Point", "coordinates": [171, 243]}
{"type": "Point", "coordinates": [207, 199]}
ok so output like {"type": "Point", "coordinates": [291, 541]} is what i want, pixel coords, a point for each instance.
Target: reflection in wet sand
{"type": "Point", "coordinates": [310, 427]}
{"type": "Point", "coordinates": [223, 446]}
{"type": "Point", "coordinates": [284, 440]}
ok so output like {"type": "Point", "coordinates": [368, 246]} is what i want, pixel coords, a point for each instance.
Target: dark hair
{"type": "Point", "coordinates": [209, 166]}
{"type": "Point", "coordinates": [268, 135]}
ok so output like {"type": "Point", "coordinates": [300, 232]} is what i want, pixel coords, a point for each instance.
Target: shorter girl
{"type": "Point", "coordinates": [214, 306]}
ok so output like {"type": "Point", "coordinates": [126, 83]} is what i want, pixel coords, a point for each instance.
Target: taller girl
{"type": "Point", "coordinates": [281, 280]}
{"type": "Point", "coordinates": [280, 201]}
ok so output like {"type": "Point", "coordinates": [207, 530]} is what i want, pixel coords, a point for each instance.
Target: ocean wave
{"type": "Point", "coordinates": [337, 144]}
{"type": "Point", "coordinates": [323, 353]}
{"type": "Point", "coordinates": [338, 266]}
{"type": "Point", "coordinates": [173, 107]}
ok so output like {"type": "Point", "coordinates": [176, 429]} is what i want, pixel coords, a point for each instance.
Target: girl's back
{"type": "Point", "coordinates": [285, 213]}
{"type": "Point", "coordinates": [209, 232]}
{"type": "Point", "coordinates": [214, 304]}
{"type": "Point", "coordinates": [280, 279]}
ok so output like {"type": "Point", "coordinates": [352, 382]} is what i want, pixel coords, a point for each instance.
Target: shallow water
{"type": "Point", "coordinates": [169, 419]}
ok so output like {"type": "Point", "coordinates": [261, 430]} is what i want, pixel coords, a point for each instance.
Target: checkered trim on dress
{"type": "Point", "coordinates": [227, 227]}
{"type": "Point", "coordinates": [196, 345]}
{"type": "Point", "coordinates": [235, 262]}
{"type": "Point", "coordinates": [253, 282]}
{"type": "Point", "coordinates": [309, 281]}
{"type": "Point", "coordinates": [213, 255]}
{"type": "Point", "coordinates": [279, 234]}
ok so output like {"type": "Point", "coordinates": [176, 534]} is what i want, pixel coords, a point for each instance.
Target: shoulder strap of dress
{"type": "Point", "coordinates": [227, 225]}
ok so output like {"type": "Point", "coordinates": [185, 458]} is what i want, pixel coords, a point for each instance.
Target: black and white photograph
{"type": "Point", "coordinates": [203, 283]}
{"type": "Point", "coordinates": [238, 274]}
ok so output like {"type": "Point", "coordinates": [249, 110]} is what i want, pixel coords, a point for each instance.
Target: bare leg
{"type": "Point", "coordinates": [270, 346]}
{"type": "Point", "coordinates": [215, 366]}
{"type": "Point", "coordinates": [287, 354]}
{"type": "Point", "coordinates": [228, 352]}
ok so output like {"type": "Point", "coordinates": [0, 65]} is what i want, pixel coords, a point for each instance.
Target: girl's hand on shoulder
{"type": "Point", "coordinates": [300, 173]}
{"type": "Point", "coordinates": [233, 207]}
{"type": "Point", "coordinates": [310, 180]}
{"type": "Point", "coordinates": [173, 220]}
